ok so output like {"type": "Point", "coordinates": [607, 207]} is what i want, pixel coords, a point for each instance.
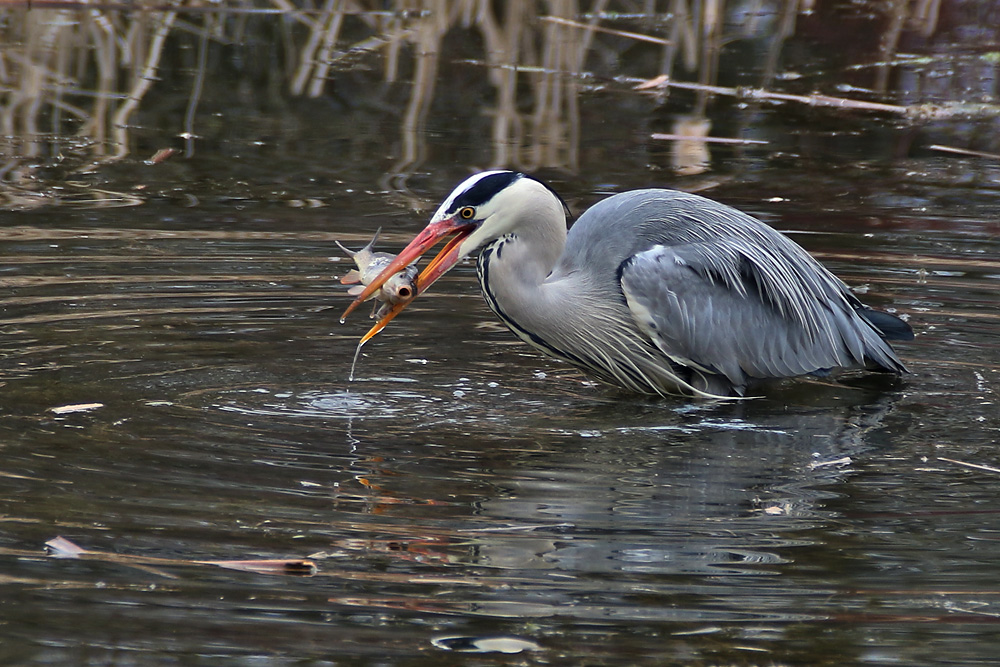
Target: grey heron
{"type": "Point", "coordinates": [656, 291]}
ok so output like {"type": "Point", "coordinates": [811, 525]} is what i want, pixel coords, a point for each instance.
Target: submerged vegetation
{"type": "Point", "coordinates": [79, 79]}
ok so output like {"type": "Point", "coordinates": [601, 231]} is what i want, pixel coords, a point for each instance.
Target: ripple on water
{"type": "Point", "coordinates": [312, 404]}
{"type": "Point", "coordinates": [518, 492]}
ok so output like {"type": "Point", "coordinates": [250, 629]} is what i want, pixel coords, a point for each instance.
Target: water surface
{"type": "Point", "coordinates": [465, 489]}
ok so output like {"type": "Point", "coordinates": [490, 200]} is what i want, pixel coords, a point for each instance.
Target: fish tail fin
{"type": "Point", "coordinates": [346, 250]}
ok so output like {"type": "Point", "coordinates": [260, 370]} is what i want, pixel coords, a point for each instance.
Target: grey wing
{"type": "Point", "coordinates": [725, 308]}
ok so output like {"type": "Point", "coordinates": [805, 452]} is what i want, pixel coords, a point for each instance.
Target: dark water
{"type": "Point", "coordinates": [464, 488]}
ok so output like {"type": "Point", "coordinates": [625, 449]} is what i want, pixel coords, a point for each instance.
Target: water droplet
{"type": "Point", "coordinates": [357, 351]}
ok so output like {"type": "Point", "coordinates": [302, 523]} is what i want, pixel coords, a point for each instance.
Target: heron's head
{"type": "Point", "coordinates": [482, 208]}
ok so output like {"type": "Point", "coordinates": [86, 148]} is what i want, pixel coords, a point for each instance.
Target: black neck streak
{"type": "Point", "coordinates": [492, 252]}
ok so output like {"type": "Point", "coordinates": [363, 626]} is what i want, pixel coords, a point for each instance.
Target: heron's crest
{"type": "Point", "coordinates": [484, 186]}
{"type": "Point", "coordinates": [479, 189]}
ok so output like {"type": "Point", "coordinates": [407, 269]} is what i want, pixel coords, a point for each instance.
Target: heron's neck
{"type": "Point", "coordinates": [569, 309]}
{"type": "Point", "coordinates": [517, 263]}
{"type": "Point", "coordinates": [513, 272]}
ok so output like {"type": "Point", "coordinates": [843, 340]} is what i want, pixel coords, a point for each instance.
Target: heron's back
{"type": "Point", "coordinates": [764, 277]}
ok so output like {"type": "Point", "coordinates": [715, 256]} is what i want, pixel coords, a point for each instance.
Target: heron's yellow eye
{"type": "Point", "coordinates": [467, 213]}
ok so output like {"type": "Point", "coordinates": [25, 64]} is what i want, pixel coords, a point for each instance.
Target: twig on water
{"type": "Point", "coordinates": [609, 31]}
{"type": "Point", "coordinates": [915, 112]}
{"type": "Point", "coordinates": [60, 547]}
{"type": "Point", "coordinates": [770, 96]}
{"type": "Point", "coordinates": [977, 466]}
{"type": "Point", "coordinates": [707, 140]}
{"type": "Point", "coordinates": [964, 151]}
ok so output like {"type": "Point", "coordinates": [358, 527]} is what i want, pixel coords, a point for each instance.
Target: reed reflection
{"type": "Point", "coordinates": [78, 80]}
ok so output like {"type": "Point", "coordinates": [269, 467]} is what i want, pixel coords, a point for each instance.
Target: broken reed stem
{"type": "Point", "coordinates": [608, 31]}
{"type": "Point", "coordinates": [664, 81]}
{"type": "Point", "coordinates": [915, 112]}
{"type": "Point", "coordinates": [707, 140]}
{"type": "Point", "coordinates": [977, 466]}
{"type": "Point", "coordinates": [964, 151]}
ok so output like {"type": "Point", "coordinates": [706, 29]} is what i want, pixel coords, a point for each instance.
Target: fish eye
{"type": "Point", "coordinates": [467, 213]}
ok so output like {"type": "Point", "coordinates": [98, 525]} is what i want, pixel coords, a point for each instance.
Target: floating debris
{"type": "Point", "coordinates": [60, 547]}
{"type": "Point", "coordinates": [485, 644]}
{"type": "Point", "coordinates": [161, 155]}
{"type": "Point", "coordinates": [75, 407]}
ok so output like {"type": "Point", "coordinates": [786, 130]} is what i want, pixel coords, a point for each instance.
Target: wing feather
{"type": "Point", "coordinates": [727, 307]}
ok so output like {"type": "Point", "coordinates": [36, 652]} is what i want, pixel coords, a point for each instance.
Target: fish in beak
{"type": "Point", "coordinates": [424, 241]}
{"type": "Point", "coordinates": [398, 288]}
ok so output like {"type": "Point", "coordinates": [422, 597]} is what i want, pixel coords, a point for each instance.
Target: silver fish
{"type": "Point", "coordinates": [400, 288]}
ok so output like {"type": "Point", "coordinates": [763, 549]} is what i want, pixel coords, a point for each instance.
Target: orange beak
{"type": "Point", "coordinates": [438, 266]}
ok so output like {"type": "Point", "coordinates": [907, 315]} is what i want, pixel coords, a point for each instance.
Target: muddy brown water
{"type": "Point", "coordinates": [465, 497]}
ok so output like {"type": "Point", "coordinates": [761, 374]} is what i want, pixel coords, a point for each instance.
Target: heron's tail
{"type": "Point", "coordinates": [889, 326]}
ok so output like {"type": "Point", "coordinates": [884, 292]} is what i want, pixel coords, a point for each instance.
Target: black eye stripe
{"type": "Point", "coordinates": [484, 190]}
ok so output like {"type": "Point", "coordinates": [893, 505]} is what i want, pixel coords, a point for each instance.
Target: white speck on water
{"type": "Point", "coordinates": [76, 407]}
{"type": "Point", "coordinates": [843, 461]}
{"type": "Point", "coordinates": [501, 644]}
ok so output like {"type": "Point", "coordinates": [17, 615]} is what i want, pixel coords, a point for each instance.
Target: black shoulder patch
{"type": "Point", "coordinates": [484, 189]}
